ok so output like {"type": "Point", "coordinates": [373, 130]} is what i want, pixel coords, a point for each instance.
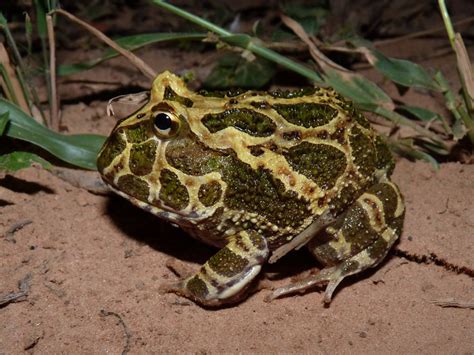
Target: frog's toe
{"type": "Point", "coordinates": [331, 275]}
{"type": "Point", "coordinates": [172, 287]}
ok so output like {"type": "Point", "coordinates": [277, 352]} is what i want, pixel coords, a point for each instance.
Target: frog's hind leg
{"type": "Point", "coordinates": [225, 277]}
{"type": "Point", "coordinates": [358, 240]}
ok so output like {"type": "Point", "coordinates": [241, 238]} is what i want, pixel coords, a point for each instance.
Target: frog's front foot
{"type": "Point", "coordinates": [225, 277]}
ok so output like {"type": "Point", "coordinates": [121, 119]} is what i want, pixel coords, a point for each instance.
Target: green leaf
{"type": "Point", "coordinates": [3, 122]}
{"type": "Point", "coordinates": [233, 71]}
{"type": "Point", "coordinates": [421, 113]}
{"type": "Point", "coordinates": [406, 147]}
{"type": "Point", "coordinates": [40, 7]}
{"type": "Point", "coordinates": [20, 160]}
{"type": "Point", "coordinates": [3, 20]}
{"type": "Point", "coordinates": [404, 72]}
{"type": "Point", "coordinates": [80, 149]}
{"type": "Point", "coordinates": [28, 33]}
{"type": "Point", "coordinates": [362, 91]}
{"type": "Point", "coordinates": [130, 43]}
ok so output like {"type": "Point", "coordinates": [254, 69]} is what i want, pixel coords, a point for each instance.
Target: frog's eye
{"type": "Point", "coordinates": [165, 124]}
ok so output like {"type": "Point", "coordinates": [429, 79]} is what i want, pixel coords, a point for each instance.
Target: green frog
{"type": "Point", "coordinates": [258, 174]}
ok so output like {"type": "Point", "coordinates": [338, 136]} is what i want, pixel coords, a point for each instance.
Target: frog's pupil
{"type": "Point", "coordinates": [162, 121]}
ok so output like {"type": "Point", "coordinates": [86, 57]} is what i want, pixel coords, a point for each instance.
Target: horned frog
{"type": "Point", "coordinates": [258, 174]}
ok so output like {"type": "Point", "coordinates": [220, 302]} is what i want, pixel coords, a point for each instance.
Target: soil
{"type": "Point", "coordinates": [92, 265]}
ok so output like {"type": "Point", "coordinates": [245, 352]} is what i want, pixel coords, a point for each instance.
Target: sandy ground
{"type": "Point", "coordinates": [94, 265]}
{"type": "Point", "coordinates": [90, 254]}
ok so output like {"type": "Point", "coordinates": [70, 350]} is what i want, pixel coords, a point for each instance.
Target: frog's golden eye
{"type": "Point", "coordinates": [165, 124]}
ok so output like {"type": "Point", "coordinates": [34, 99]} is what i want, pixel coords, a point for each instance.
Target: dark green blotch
{"type": "Point", "coordinates": [197, 287]}
{"type": "Point", "coordinates": [260, 192]}
{"type": "Point", "coordinates": [384, 158]}
{"type": "Point", "coordinates": [113, 146]}
{"type": "Point", "coordinates": [225, 262]}
{"type": "Point", "coordinates": [173, 192]}
{"type": "Point", "coordinates": [378, 249]}
{"type": "Point", "coordinates": [210, 193]}
{"type": "Point", "coordinates": [138, 132]}
{"type": "Point", "coordinates": [321, 163]}
{"type": "Point", "coordinates": [363, 151]}
{"type": "Point", "coordinates": [134, 186]}
{"type": "Point", "coordinates": [388, 196]}
{"type": "Point", "coordinates": [306, 114]}
{"type": "Point", "coordinates": [245, 120]}
{"type": "Point", "coordinates": [192, 157]}
{"type": "Point", "coordinates": [142, 157]}
{"type": "Point", "coordinates": [222, 94]}
{"type": "Point", "coordinates": [289, 94]}
{"type": "Point", "coordinates": [357, 229]}
{"type": "Point", "coordinates": [172, 96]}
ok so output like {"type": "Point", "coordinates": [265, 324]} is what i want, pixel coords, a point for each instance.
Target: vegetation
{"type": "Point", "coordinates": [247, 62]}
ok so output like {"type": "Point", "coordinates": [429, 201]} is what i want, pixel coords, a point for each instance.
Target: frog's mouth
{"type": "Point", "coordinates": [159, 209]}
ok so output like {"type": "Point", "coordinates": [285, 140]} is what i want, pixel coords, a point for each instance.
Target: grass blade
{"type": "Point", "coordinates": [80, 150]}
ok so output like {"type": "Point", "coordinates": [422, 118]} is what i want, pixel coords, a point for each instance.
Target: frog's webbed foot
{"type": "Point", "coordinates": [358, 240]}
{"type": "Point", "coordinates": [331, 275]}
{"type": "Point", "coordinates": [225, 277]}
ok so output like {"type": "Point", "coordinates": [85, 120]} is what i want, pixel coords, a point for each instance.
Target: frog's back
{"type": "Point", "coordinates": [274, 162]}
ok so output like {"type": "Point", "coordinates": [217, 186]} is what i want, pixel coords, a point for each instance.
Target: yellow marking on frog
{"type": "Point", "coordinates": [400, 204]}
{"type": "Point", "coordinates": [341, 245]}
{"type": "Point", "coordinates": [373, 206]}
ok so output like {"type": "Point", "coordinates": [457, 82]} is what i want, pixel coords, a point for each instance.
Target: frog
{"type": "Point", "coordinates": [258, 174]}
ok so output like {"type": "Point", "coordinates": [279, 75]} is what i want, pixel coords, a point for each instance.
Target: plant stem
{"type": "Point", "coordinates": [54, 109]}
{"type": "Point", "coordinates": [464, 70]}
{"type": "Point", "coordinates": [447, 21]}
{"type": "Point", "coordinates": [21, 69]}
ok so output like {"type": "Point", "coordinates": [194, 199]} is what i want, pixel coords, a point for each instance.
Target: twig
{"type": "Point", "coordinates": [54, 120]}
{"type": "Point", "coordinates": [420, 33]}
{"type": "Point", "coordinates": [317, 55]}
{"type": "Point", "coordinates": [15, 228]}
{"type": "Point", "coordinates": [139, 63]}
{"type": "Point", "coordinates": [16, 92]}
{"type": "Point", "coordinates": [453, 303]}
{"type": "Point", "coordinates": [128, 336]}
{"type": "Point", "coordinates": [24, 286]}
